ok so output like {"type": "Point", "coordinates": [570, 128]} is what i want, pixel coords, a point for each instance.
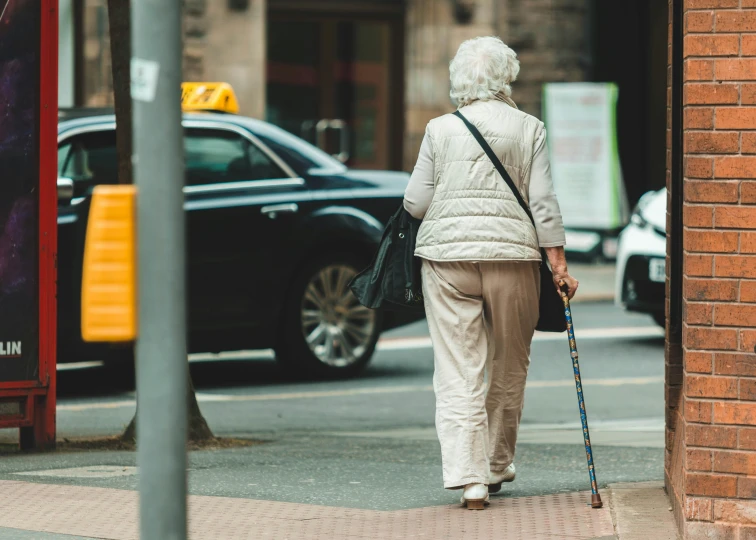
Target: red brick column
{"type": "Point", "coordinates": [711, 459]}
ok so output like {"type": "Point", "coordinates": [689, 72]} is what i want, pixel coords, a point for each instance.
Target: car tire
{"type": "Point", "coordinates": [660, 319]}
{"type": "Point", "coordinates": [326, 333]}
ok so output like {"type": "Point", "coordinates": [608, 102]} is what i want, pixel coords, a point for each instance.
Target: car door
{"type": "Point", "coordinates": [86, 155]}
{"type": "Point", "coordinates": [243, 206]}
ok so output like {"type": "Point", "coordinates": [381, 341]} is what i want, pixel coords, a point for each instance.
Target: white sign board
{"type": "Point", "coordinates": [581, 124]}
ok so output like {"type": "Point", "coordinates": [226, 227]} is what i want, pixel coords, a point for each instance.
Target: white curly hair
{"type": "Point", "coordinates": [483, 68]}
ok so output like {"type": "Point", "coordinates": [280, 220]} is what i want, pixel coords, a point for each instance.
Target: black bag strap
{"type": "Point", "coordinates": [496, 163]}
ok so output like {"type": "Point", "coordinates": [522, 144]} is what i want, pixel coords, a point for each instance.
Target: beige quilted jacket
{"type": "Point", "coordinates": [473, 216]}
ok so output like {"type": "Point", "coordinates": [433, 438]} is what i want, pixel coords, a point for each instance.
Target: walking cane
{"type": "Point", "coordinates": [595, 497]}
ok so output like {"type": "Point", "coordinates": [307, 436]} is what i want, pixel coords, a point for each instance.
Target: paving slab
{"type": "Point", "coordinates": [18, 534]}
{"type": "Point", "coordinates": [641, 510]}
{"type": "Point", "coordinates": [384, 474]}
{"type": "Point", "coordinates": [111, 514]}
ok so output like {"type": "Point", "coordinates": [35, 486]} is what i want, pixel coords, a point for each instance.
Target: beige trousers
{"type": "Point", "coordinates": [482, 317]}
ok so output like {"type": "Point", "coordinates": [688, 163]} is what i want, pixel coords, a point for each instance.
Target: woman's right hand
{"type": "Point", "coordinates": [565, 278]}
{"type": "Point", "coordinates": [558, 263]}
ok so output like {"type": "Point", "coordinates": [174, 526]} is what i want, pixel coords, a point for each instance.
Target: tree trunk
{"type": "Point", "coordinates": [129, 434]}
{"type": "Point", "coordinates": [119, 22]}
{"type": "Point", "coordinates": [198, 430]}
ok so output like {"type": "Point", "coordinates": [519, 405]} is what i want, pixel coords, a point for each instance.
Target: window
{"type": "Point", "coordinates": [89, 160]}
{"type": "Point", "coordinates": [63, 152]}
{"type": "Point", "coordinates": [216, 156]}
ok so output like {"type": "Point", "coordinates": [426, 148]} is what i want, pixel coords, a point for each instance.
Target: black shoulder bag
{"type": "Point", "coordinates": [551, 309]}
{"type": "Point", "coordinates": [392, 281]}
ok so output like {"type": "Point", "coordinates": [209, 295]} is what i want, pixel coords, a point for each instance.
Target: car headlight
{"type": "Point", "coordinates": [637, 218]}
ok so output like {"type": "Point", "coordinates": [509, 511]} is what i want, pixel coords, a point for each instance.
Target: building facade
{"type": "Point", "coordinates": [381, 66]}
{"type": "Point", "coordinates": [711, 288]}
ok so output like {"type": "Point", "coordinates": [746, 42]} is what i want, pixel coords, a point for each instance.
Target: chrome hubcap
{"type": "Point", "coordinates": [336, 327]}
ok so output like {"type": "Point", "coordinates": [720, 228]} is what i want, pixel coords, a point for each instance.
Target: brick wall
{"type": "Point", "coordinates": [711, 380]}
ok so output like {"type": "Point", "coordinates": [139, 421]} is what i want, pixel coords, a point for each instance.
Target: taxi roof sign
{"type": "Point", "coordinates": [208, 96]}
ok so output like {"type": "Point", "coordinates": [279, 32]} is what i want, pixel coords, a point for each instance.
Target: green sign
{"type": "Point", "coordinates": [581, 123]}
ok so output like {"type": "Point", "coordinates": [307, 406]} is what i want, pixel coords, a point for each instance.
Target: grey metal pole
{"type": "Point", "coordinates": [161, 347]}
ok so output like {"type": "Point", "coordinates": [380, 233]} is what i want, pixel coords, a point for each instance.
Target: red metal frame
{"type": "Point", "coordinates": [38, 421]}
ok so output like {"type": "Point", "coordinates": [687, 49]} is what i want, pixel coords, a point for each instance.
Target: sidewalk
{"type": "Point", "coordinates": [112, 514]}
{"type": "Point", "coordinates": [57, 512]}
{"type": "Point", "coordinates": [642, 511]}
{"type": "Point", "coordinates": [596, 281]}
{"type": "Point", "coordinates": [337, 487]}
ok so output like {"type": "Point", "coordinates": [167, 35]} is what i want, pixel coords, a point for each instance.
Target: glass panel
{"type": "Point", "coordinates": [19, 189]}
{"type": "Point", "coordinates": [261, 166]}
{"type": "Point", "coordinates": [362, 75]}
{"type": "Point", "coordinates": [92, 161]}
{"type": "Point", "coordinates": [293, 89]}
{"type": "Point", "coordinates": [63, 153]}
{"type": "Point", "coordinates": [330, 69]}
{"type": "Point", "coordinates": [216, 156]}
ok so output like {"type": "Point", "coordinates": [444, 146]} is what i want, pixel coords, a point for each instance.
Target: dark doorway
{"type": "Point", "coordinates": [334, 78]}
{"type": "Point", "coordinates": [630, 49]}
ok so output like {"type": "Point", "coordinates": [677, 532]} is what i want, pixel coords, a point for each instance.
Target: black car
{"type": "Point", "coordinates": [276, 230]}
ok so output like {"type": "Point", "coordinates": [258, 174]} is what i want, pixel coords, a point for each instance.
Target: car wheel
{"type": "Point", "coordinates": [326, 332]}
{"type": "Point", "coordinates": [660, 319]}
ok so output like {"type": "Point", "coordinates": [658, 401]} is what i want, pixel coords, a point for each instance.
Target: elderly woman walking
{"type": "Point", "coordinates": [481, 260]}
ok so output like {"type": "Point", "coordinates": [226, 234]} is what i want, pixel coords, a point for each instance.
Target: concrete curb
{"type": "Point", "coordinates": [641, 511]}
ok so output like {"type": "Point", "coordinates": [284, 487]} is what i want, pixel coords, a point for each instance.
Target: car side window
{"type": "Point", "coordinates": [216, 156]}
{"type": "Point", "coordinates": [89, 160]}
{"type": "Point", "coordinates": [63, 151]}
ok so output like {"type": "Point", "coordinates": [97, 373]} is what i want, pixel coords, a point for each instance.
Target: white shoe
{"type": "Point", "coordinates": [495, 480]}
{"type": "Point", "coordinates": [475, 496]}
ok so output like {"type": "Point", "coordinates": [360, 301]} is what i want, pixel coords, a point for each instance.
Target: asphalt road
{"type": "Point", "coordinates": [370, 442]}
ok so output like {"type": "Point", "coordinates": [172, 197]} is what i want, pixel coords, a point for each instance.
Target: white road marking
{"type": "Point", "coordinates": [640, 432]}
{"type": "Point", "coordinates": [94, 471]}
{"type": "Point", "coordinates": [624, 424]}
{"type": "Point", "coordinates": [215, 398]}
{"type": "Point", "coordinates": [97, 405]}
{"type": "Point", "coordinates": [631, 332]}
{"type": "Point", "coordinates": [632, 432]}
{"type": "Point", "coordinates": [72, 366]}
{"type": "Point", "coordinates": [414, 343]}
{"type": "Point", "coordinates": [618, 381]}
{"type": "Point", "coordinates": [263, 354]}
{"type": "Point", "coordinates": [315, 394]}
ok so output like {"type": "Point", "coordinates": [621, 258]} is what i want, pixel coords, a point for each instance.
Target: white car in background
{"type": "Point", "coordinates": [641, 256]}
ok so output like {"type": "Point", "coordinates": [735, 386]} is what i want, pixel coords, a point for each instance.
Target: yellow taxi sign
{"type": "Point", "coordinates": [208, 96]}
{"type": "Point", "coordinates": [108, 291]}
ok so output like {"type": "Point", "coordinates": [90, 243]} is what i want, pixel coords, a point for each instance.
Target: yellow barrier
{"type": "Point", "coordinates": [108, 292]}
